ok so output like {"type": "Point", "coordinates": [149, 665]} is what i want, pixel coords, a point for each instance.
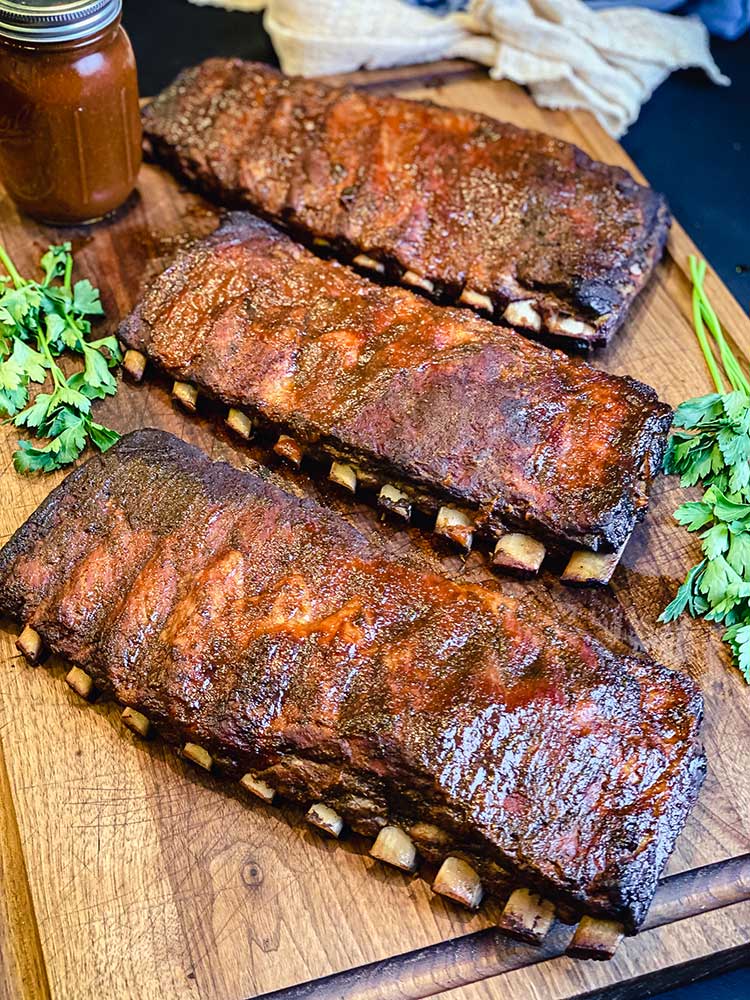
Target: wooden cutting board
{"type": "Point", "coordinates": [127, 874]}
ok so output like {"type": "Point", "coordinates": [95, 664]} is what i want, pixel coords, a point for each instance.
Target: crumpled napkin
{"type": "Point", "coordinates": [608, 62]}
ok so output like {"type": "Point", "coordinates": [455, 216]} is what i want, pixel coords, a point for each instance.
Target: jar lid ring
{"type": "Point", "coordinates": [55, 20]}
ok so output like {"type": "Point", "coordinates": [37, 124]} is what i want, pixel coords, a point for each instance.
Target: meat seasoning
{"type": "Point", "coordinates": [70, 134]}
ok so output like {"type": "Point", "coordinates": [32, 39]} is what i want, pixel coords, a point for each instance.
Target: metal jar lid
{"type": "Point", "coordinates": [55, 20]}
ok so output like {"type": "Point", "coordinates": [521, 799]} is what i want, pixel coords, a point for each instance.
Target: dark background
{"type": "Point", "coordinates": [692, 141]}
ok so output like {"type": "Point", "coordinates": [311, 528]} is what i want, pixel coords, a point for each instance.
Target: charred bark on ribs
{"type": "Point", "coordinates": [466, 208]}
{"type": "Point", "coordinates": [282, 649]}
{"type": "Point", "coordinates": [434, 407]}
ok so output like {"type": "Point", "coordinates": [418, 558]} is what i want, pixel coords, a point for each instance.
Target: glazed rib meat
{"type": "Point", "coordinates": [268, 631]}
{"type": "Point", "coordinates": [452, 408]}
{"type": "Point", "coordinates": [468, 208]}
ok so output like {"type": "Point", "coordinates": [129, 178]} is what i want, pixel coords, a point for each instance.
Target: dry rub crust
{"type": "Point", "coordinates": [454, 197]}
{"type": "Point", "coordinates": [459, 410]}
{"type": "Point", "coordinates": [265, 632]}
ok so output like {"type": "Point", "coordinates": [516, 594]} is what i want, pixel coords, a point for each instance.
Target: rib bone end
{"type": "Point", "coordinates": [527, 916]}
{"type": "Point", "coordinates": [343, 475]}
{"type": "Point", "coordinates": [325, 819]}
{"type": "Point", "coordinates": [198, 755]}
{"type": "Point", "coordinates": [186, 395]}
{"type": "Point", "coordinates": [427, 833]}
{"type": "Point", "coordinates": [80, 682]}
{"type": "Point", "coordinates": [289, 449]}
{"type": "Point", "coordinates": [240, 423]}
{"type": "Point", "coordinates": [396, 848]}
{"type": "Point", "coordinates": [136, 722]}
{"type": "Point", "coordinates": [455, 525]}
{"type": "Point", "coordinates": [476, 300]}
{"type": "Point", "coordinates": [417, 281]}
{"type": "Point", "coordinates": [587, 569]}
{"type": "Point", "coordinates": [519, 554]}
{"type": "Point", "coordinates": [395, 501]}
{"type": "Point", "coordinates": [524, 314]}
{"type": "Point", "coordinates": [458, 881]}
{"type": "Point", "coordinates": [568, 326]}
{"type": "Point", "coordinates": [30, 644]}
{"type": "Point", "coordinates": [134, 364]}
{"type": "Point", "coordinates": [369, 263]}
{"type": "Point", "coordinates": [596, 938]}
{"type": "Point", "coordinates": [258, 788]}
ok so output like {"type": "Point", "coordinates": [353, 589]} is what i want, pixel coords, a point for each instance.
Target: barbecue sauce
{"type": "Point", "coordinates": [70, 134]}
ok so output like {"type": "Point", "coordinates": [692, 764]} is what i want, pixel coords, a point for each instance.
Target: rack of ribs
{"type": "Point", "coordinates": [281, 649]}
{"type": "Point", "coordinates": [519, 225]}
{"type": "Point", "coordinates": [424, 407]}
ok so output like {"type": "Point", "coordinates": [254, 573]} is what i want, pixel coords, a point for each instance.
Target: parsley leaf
{"type": "Point", "coordinates": [712, 448]}
{"type": "Point", "coordinates": [38, 320]}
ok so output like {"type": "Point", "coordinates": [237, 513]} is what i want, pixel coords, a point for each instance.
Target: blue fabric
{"type": "Point", "coordinates": [725, 18]}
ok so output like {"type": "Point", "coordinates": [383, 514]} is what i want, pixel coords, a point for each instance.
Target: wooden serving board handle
{"type": "Point", "coordinates": [487, 953]}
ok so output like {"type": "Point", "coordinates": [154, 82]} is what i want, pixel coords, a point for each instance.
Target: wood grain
{"type": "Point", "coordinates": [488, 954]}
{"type": "Point", "coordinates": [145, 880]}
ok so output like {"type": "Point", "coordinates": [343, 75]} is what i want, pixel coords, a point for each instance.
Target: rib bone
{"type": "Point", "coordinates": [198, 755]}
{"type": "Point", "coordinates": [325, 818]}
{"type": "Point", "coordinates": [427, 833]}
{"type": "Point", "coordinates": [519, 554]}
{"type": "Point", "coordinates": [30, 644]}
{"type": "Point", "coordinates": [395, 500]}
{"type": "Point", "coordinates": [362, 260]}
{"type": "Point", "coordinates": [527, 916]}
{"type": "Point", "coordinates": [458, 881]}
{"type": "Point", "coordinates": [568, 325]}
{"type": "Point", "coordinates": [476, 300]}
{"type": "Point", "coordinates": [396, 848]}
{"type": "Point", "coordinates": [290, 449]}
{"type": "Point", "coordinates": [416, 281]}
{"type": "Point", "coordinates": [186, 394]}
{"type": "Point", "coordinates": [134, 364]}
{"type": "Point", "coordinates": [523, 313]}
{"type": "Point", "coordinates": [257, 787]}
{"type": "Point", "coordinates": [596, 938]}
{"type": "Point", "coordinates": [344, 475]}
{"type": "Point", "coordinates": [240, 423]}
{"type": "Point", "coordinates": [81, 683]}
{"type": "Point", "coordinates": [136, 722]}
{"type": "Point", "coordinates": [585, 568]}
{"type": "Point", "coordinates": [456, 525]}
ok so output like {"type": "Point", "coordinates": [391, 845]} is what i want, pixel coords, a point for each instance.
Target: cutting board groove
{"type": "Point", "coordinates": [127, 874]}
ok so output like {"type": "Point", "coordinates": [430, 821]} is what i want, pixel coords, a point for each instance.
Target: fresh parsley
{"type": "Point", "coordinates": [711, 448]}
{"type": "Point", "coordinates": [38, 320]}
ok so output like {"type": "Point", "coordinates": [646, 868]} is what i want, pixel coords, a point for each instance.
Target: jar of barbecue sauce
{"type": "Point", "coordinates": [70, 132]}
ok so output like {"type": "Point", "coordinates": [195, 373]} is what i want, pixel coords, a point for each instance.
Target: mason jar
{"type": "Point", "coordinates": [70, 132]}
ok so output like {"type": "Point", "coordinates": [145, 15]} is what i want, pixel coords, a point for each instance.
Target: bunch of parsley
{"type": "Point", "coordinates": [712, 449]}
{"type": "Point", "coordinates": [38, 320]}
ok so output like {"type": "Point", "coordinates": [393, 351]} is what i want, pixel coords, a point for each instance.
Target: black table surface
{"type": "Point", "coordinates": [692, 141]}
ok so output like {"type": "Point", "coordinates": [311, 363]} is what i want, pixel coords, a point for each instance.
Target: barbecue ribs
{"type": "Point", "coordinates": [469, 209]}
{"type": "Point", "coordinates": [460, 417]}
{"type": "Point", "coordinates": [283, 649]}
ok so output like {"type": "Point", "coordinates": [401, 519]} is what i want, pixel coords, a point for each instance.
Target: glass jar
{"type": "Point", "coordinates": [70, 129]}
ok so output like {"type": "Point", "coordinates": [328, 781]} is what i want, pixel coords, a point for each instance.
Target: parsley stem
{"type": "Point", "coordinates": [68, 272]}
{"type": "Point", "coordinates": [57, 376]}
{"type": "Point", "coordinates": [700, 329]}
{"type": "Point", "coordinates": [732, 367]}
{"type": "Point", "coordinates": [10, 268]}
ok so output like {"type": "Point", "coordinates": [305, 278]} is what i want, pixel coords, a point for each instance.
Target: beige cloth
{"type": "Point", "coordinates": [569, 56]}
